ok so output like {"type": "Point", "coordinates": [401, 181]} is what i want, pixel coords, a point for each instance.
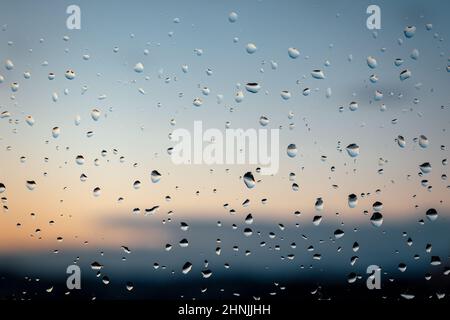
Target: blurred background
{"type": "Point", "coordinates": [74, 144]}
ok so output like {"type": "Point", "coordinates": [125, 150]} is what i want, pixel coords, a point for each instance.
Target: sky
{"type": "Point", "coordinates": [134, 128]}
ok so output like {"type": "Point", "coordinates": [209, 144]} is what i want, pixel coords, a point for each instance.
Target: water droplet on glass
{"type": "Point", "coordinates": [401, 141]}
{"type": "Point", "coordinates": [286, 95]}
{"type": "Point", "coordinates": [197, 102]}
{"type": "Point", "coordinates": [29, 120]}
{"type": "Point", "coordinates": [96, 192]}
{"type": "Point", "coordinates": [186, 267]}
{"type": "Point", "coordinates": [376, 219]}
{"type": "Point", "coordinates": [372, 62]}
{"type": "Point", "coordinates": [423, 141]}
{"type": "Point", "coordinates": [264, 121]}
{"type": "Point", "coordinates": [405, 74]}
{"type": "Point", "coordinates": [409, 31]}
{"type": "Point", "coordinates": [352, 150]}
{"type": "Point", "coordinates": [232, 17]}
{"type": "Point", "coordinates": [425, 167]}
{"type": "Point", "coordinates": [138, 67]}
{"type": "Point", "coordinates": [318, 74]}
{"type": "Point", "coordinates": [155, 176]}
{"type": "Point", "coordinates": [251, 48]}
{"type": "Point", "coordinates": [252, 87]}
{"type": "Point", "coordinates": [95, 114]}
{"type": "Point", "coordinates": [249, 180]}
{"type": "Point", "coordinates": [56, 131]}
{"type": "Point", "coordinates": [293, 53]}
{"type": "Point", "coordinates": [432, 214]}
{"type": "Point", "coordinates": [352, 200]}
{"type": "Point", "coordinates": [292, 150]}
{"type": "Point", "coordinates": [70, 74]}
{"type": "Point", "coordinates": [319, 204]}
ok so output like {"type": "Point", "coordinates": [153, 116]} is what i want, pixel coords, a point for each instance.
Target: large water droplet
{"type": "Point", "coordinates": [95, 114]}
{"type": "Point", "coordinates": [353, 150]}
{"type": "Point", "coordinates": [405, 74]}
{"type": "Point", "coordinates": [232, 17]}
{"type": "Point", "coordinates": [139, 67]}
{"type": "Point", "coordinates": [423, 141]}
{"type": "Point", "coordinates": [318, 74]}
{"type": "Point", "coordinates": [432, 214]}
{"type": "Point", "coordinates": [409, 31]}
{"type": "Point", "coordinates": [372, 62]}
{"type": "Point", "coordinates": [292, 150]}
{"type": "Point", "coordinates": [425, 167]}
{"type": "Point", "coordinates": [186, 267]}
{"type": "Point", "coordinates": [70, 74]}
{"type": "Point", "coordinates": [252, 87]}
{"type": "Point", "coordinates": [56, 131]}
{"type": "Point", "coordinates": [376, 219]}
{"type": "Point", "coordinates": [251, 48]}
{"type": "Point", "coordinates": [352, 200]}
{"type": "Point", "coordinates": [293, 53]}
{"type": "Point", "coordinates": [155, 176]}
{"type": "Point", "coordinates": [249, 180]}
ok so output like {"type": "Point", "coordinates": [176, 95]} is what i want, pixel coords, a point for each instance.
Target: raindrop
{"type": "Point", "coordinates": [70, 74]}
{"type": "Point", "coordinates": [187, 267]}
{"type": "Point", "coordinates": [376, 219]}
{"type": "Point", "coordinates": [29, 120]}
{"type": "Point", "coordinates": [232, 17]}
{"type": "Point", "coordinates": [155, 176]}
{"type": "Point", "coordinates": [372, 62]}
{"type": "Point", "coordinates": [95, 114]}
{"type": "Point", "coordinates": [353, 150]}
{"type": "Point", "coordinates": [264, 121]}
{"type": "Point", "coordinates": [198, 102]}
{"type": "Point", "coordinates": [292, 150]}
{"type": "Point", "coordinates": [352, 200]}
{"type": "Point", "coordinates": [96, 266]}
{"type": "Point", "coordinates": [425, 167]}
{"type": "Point", "coordinates": [139, 67]}
{"type": "Point", "coordinates": [251, 48]}
{"type": "Point", "coordinates": [96, 192]}
{"type": "Point", "coordinates": [318, 74]}
{"type": "Point", "coordinates": [249, 180]}
{"type": "Point", "coordinates": [432, 214]}
{"type": "Point", "coordinates": [338, 234]}
{"type": "Point", "coordinates": [56, 131]}
{"type": "Point", "coordinates": [405, 74]}
{"type": "Point", "coordinates": [9, 65]}
{"type": "Point", "coordinates": [353, 106]}
{"type": "Point", "coordinates": [293, 53]}
{"type": "Point", "coordinates": [423, 141]}
{"type": "Point", "coordinates": [286, 95]}
{"type": "Point", "coordinates": [137, 184]}
{"type": "Point", "coordinates": [319, 204]}
{"type": "Point", "coordinates": [252, 87]}
{"type": "Point", "coordinates": [401, 141]}
{"type": "Point", "coordinates": [409, 31]}
{"type": "Point", "coordinates": [79, 160]}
